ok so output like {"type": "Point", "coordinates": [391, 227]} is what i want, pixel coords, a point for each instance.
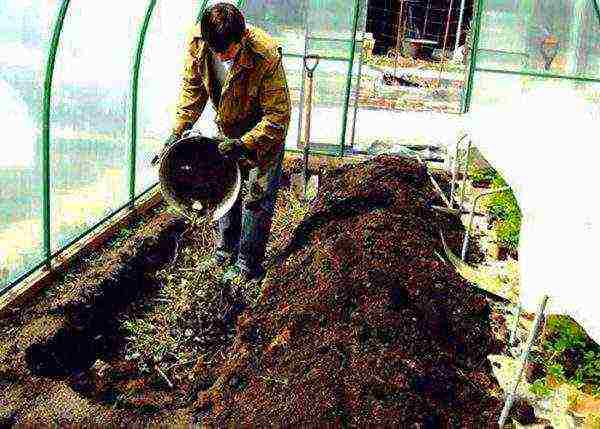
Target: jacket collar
{"type": "Point", "coordinates": [245, 55]}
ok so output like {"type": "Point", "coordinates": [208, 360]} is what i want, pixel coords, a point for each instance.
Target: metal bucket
{"type": "Point", "coordinates": [197, 180]}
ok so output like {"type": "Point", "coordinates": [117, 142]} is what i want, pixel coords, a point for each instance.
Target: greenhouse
{"type": "Point", "coordinates": [430, 257]}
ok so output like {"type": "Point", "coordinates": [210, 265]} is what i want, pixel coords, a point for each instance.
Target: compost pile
{"type": "Point", "coordinates": [360, 321]}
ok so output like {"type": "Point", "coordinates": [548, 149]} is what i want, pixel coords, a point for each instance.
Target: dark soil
{"type": "Point", "coordinates": [200, 174]}
{"type": "Point", "coordinates": [362, 322]}
{"type": "Point", "coordinates": [359, 321]}
{"type": "Point", "coordinates": [91, 330]}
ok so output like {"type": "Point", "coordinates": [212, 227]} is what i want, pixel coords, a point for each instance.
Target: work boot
{"type": "Point", "coordinates": [212, 262]}
{"type": "Point", "coordinates": [241, 281]}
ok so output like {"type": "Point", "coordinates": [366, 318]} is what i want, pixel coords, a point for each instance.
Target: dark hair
{"type": "Point", "coordinates": [222, 25]}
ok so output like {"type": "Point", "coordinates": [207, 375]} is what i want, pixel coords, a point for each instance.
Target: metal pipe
{"type": "Point", "coordinates": [524, 356]}
{"type": "Point", "coordinates": [72, 242]}
{"type": "Point", "coordinates": [447, 31]}
{"type": "Point", "coordinates": [53, 49]}
{"type": "Point", "coordinates": [460, 20]}
{"type": "Point", "coordinates": [399, 30]}
{"type": "Point", "coordinates": [440, 191]}
{"type": "Point", "coordinates": [134, 100]}
{"type": "Point", "coordinates": [513, 332]}
{"type": "Point", "coordinates": [472, 215]}
{"type": "Point", "coordinates": [468, 94]}
{"type": "Point", "coordinates": [455, 169]}
{"type": "Point", "coordinates": [541, 75]}
{"type": "Point", "coordinates": [349, 79]}
{"type": "Point", "coordinates": [358, 81]}
{"type": "Point", "coordinates": [323, 57]}
{"type": "Point", "coordinates": [424, 32]}
{"type": "Point", "coordinates": [202, 7]}
{"type": "Point", "coordinates": [465, 173]}
{"type": "Point", "coordinates": [302, 83]}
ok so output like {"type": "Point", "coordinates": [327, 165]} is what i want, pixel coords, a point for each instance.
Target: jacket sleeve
{"type": "Point", "coordinates": [274, 101]}
{"type": "Point", "coordinates": [192, 96]}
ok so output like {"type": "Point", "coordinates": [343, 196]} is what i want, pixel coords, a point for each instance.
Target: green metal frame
{"type": "Point", "coordinates": [540, 75]}
{"type": "Point", "coordinates": [51, 62]}
{"type": "Point", "coordinates": [47, 97]}
{"type": "Point", "coordinates": [134, 99]}
{"type": "Point", "coordinates": [72, 242]}
{"type": "Point", "coordinates": [322, 58]}
{"type": "Point", "coordinates": [356, 9]}
{"type": "Point", "coordinates": [473, 62]}
{"type": "Point", "coordinates": [359, 77]}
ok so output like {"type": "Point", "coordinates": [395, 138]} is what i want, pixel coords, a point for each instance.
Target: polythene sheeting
{"type": "Point", "coordinates": [545, 144]}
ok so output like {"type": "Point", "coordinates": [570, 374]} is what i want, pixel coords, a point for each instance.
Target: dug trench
{"type": "Point", "coordinates": [358, 321]}
{"type": "Point", "coordinates": [91, 331]}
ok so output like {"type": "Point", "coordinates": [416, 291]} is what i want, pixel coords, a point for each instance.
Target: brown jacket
{"type": "Point", "coordinates": [254, 103]}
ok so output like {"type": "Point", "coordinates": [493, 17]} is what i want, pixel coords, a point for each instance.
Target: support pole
{"type": "Point", "coordinates": [358, 81]}
{"type": "Point", "coordinates": [460, 21]}
{"type": "Point", "coordinates": [302, 83]}
{"type": "Point", "coordinates": [515, 328]}
{"type": "Point", "coordinates": [134, 101]}
{"type": "Point", "coordinates": [468, 94]}
{"type": "Point", "coordinates": [524, 356]}
{"type": "Point", "coordinates": [201, 11]}
{"type": "Point", "coordinates": [349, 78]}
{"type": "Point", "coordinates": [464, 174]}
{"type": "Point", "coordinates": [56, 32]}
{"type": "Point", "coordinates": [455, 169]}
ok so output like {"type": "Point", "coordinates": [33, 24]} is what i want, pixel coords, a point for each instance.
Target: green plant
{"type": "Point", "coordinates": [567, 355]}
{"type": "Point", "coordinates": [541, 388]}
{"type": "Point", "coordinates": [504, 211]}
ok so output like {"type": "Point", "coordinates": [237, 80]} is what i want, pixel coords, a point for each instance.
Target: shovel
{"type": "Point", "coordinates": [310, 184]}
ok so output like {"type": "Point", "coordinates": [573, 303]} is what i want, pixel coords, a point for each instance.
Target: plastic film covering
{"type": "Point", "coordinates": [558, 37]}
{"type": "Point", "coordinates": [25, 32]}
{"type": "Point", "coordinates": [89, 144]}
{"type": "Point", "coordinates": [160, 80]}
{"type": "Point", "coordinates": [329, 34]}
{"type": "Point", "coordinates": [534, 115]}
{"type": "Point", "coordinates": [547, 152]}
{"type": "Point", "coordinates": [283, 19]}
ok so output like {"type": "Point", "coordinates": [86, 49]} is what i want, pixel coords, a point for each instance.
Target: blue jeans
{"type": "Point", "coordinates": [244, 231]}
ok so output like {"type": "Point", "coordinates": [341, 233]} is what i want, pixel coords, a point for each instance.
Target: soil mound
{"type": "Point", "coordinates": [360, 321]}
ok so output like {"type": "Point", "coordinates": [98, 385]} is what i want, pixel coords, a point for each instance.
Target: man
{"type": "Point", "coordinates": [240, 69]}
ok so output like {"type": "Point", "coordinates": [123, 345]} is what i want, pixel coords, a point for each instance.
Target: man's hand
{"type": "Point", "coordinates": [232, 148]}
{"type": "Point", "coordinates": [170, 140]}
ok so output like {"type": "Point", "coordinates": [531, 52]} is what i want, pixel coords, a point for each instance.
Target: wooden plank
{"type": "Point", "coordinates": [43, 277]}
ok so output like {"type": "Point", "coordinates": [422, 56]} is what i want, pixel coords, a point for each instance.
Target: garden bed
{"type": "Point", "coordinates": [358, 321]}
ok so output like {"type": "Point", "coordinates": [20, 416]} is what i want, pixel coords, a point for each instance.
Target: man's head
{"type": "Point", "coordinates": [223, 26]}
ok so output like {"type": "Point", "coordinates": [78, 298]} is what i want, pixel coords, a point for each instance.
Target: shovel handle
{"type": "Point", "coordinates": [310, 64]}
